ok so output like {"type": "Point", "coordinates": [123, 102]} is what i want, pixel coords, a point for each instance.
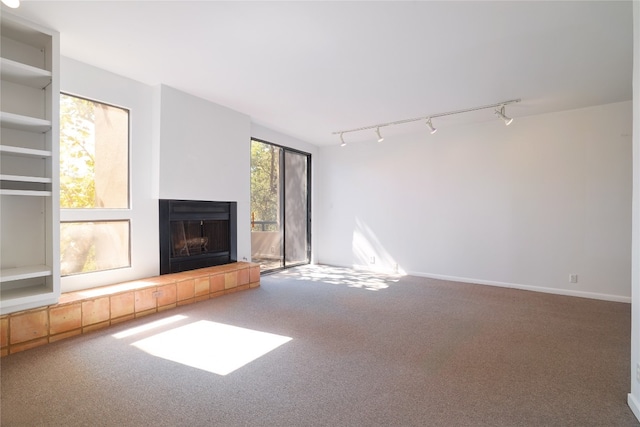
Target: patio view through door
{"type": "Point", "coordinates": [280, 206]}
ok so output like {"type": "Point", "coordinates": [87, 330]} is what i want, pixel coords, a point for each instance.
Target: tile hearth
{"type": "Point", "coordinates": [92, 309]}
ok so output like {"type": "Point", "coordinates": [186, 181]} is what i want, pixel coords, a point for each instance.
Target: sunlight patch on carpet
{"type": "Point", "coordinates": [351, 277]}
{"type": "Point", "coordinates": [210, 346]}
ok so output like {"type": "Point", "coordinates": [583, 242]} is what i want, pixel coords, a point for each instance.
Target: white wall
{"type": "Point", "coordinates": [90, 82]}
{"type": "Point", "coordinates": [634, 396]}
{"type": "Point", "coordinates": [205, 155]}
{"type": "Point", "coordinates": [524, 205]}
{"type": "Point", "coordinates": [180, 145]}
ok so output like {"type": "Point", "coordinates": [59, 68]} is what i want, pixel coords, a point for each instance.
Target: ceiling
{"type": "Point", "coordinates": [308, 69]}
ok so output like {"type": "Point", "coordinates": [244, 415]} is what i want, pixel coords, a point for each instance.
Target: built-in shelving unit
{"type": "Point", "coordinates": [29, 182]}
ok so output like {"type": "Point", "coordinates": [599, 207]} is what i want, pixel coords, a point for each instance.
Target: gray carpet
{"type": "Point", "coordinates": [347, 349]}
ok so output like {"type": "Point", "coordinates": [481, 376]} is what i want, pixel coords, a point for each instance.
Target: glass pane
{"type": "Point", "coordinates": [93, 246]}
{"type": "Point", "coordinates": [266, 230]}
{"type": "Point", "coordinates": [94, 154]}
{"type": "Point", "coordinates": [189, 238]}
{"type": "Point", "coordinates": [296, 210]}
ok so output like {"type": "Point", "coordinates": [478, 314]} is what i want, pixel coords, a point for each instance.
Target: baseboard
{"type": "Point", "coordinates": [567, 292]}
{"type": "Point", "coordinates": [634, 405]}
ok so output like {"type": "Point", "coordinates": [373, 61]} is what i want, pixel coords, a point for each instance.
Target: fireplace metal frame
{"type": "Point", "coordinates": [189, 210]}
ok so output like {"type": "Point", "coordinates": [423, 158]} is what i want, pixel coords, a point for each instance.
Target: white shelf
{"type": "Point", "coordinates": [35, 193]}
{"type": "Point", "coordinates": [26, 298]}
{"type": "Point", "coordinates": [28, 294]}
{"type": "Point", "coordinates": [25, 32]}
{"type": "Point", "coordinates": [16, 121]}
{"type": "Point", "coordinates": [22, 273]}
{"type": "Point", "coordinates": [18, 178]}
{"type": "Point", "coordinates": [24, 74]}
{"type": "Point", "coordinates": [27, 152]}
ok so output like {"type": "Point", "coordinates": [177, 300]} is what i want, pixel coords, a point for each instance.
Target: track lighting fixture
{"type": "Point", "coordinates": [12, 3]}
{"type": "Point", "coordinates": [432, 130]}
{"type": "Point", "coordinates": [500, 113]}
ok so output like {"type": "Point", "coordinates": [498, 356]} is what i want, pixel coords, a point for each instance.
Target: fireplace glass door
{"type": "Point", "coordinates": [191, 238]}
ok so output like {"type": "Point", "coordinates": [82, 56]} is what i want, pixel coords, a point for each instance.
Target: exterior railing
{"type": "Point", "coordinates": [264, 226]}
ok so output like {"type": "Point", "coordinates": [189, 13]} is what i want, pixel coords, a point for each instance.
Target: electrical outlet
{"type": "Point", "coordinates": [573, 278]}
{"type": "Point", "coordinates": [638, 372]}
{"type": "Point", "coordinates": [156, 294]}
{"type": "Point", "coordinates": [372, 260]}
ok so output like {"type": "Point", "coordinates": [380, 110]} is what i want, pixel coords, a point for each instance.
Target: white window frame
{"type": "Point", "coordinates": [79, 281]}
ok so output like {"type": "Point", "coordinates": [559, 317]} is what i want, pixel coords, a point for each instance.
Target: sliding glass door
{"type": "Point", "coordinates": [280, 206]}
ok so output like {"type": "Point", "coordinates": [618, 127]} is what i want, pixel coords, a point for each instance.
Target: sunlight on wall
{"type": "Point", "coordinates": [368, 252]}
{"type": "Point", "coordinates": [111, 289]}
{"type": "Point", "coordinates": [210, 346]}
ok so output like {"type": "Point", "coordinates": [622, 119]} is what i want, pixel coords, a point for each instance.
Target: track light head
{"type": "Point", "coordinates": [500, 113]}
{"type": "Point", "coordinates": [432, 130]}
{"type": "Point", "coordinates": [380, 138]}
{"type": "Point", "coordinates": [342, 143]}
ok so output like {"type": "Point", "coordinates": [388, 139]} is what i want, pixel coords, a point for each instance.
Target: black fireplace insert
{"type": "Point", "coordinates": [196, 234]}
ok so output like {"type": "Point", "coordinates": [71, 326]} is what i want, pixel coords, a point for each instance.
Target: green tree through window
{"type": "Point", "coordinates": [77, 152]}
{"type": "Point", "coordinates": [265, 181]}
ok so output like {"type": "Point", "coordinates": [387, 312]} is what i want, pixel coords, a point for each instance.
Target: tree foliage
{"type": "Point", "coordinates": [265, 179]}
{"type": "Point", "coordinates": [77, 153]}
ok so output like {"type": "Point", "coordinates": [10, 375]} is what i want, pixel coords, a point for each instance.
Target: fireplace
{"type": "Point", "coordinates": [196, 234]}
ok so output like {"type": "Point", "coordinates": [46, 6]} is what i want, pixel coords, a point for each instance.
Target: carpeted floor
{"type": "Point", "coordinates": [324, 346]}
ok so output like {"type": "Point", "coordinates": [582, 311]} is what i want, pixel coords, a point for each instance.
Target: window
{"type": "Point", "coordinates": [94, 186]}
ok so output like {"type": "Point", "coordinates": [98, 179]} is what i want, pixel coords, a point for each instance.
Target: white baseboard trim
{"type": "Point", "coordinates": [566, 292]}
{"type": "Point", "coordinates": [634, 405]}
